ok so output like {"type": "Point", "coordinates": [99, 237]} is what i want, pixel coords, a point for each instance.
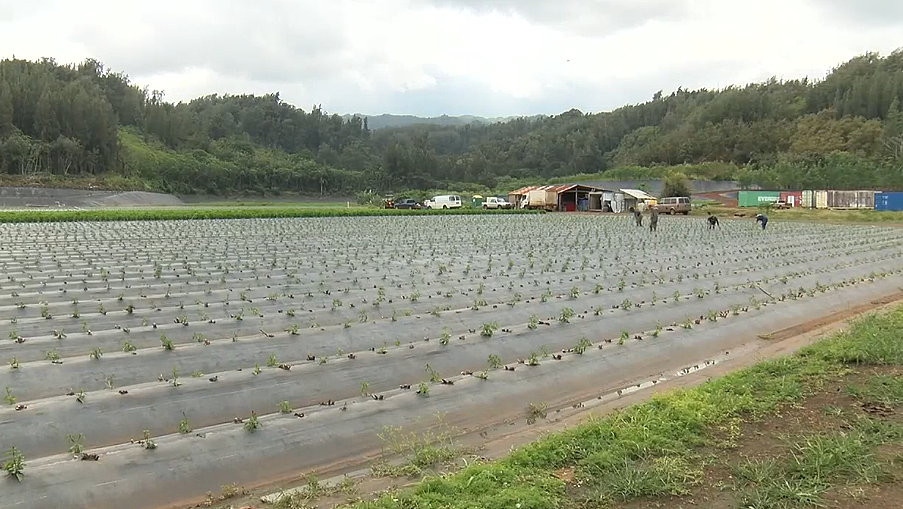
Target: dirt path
{"type": "Point", "coordinates": [507, 428]}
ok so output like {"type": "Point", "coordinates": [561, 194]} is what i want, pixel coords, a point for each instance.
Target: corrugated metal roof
{"type": "Point", "coordinates": [555, 189]}
{"type": "Point", "coordinates": [638, 194]}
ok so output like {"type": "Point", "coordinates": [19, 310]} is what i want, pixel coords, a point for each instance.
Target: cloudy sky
{"type": "Point", "coordinates": [429, 57]}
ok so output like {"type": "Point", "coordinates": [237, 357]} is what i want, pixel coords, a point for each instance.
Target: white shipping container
{"type": "Point", "coordinates": [808, 199]}
{"type": "Point", "coordinates": [821, 199]}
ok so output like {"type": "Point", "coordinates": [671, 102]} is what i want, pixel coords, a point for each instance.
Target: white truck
{"type": "Point", "coordinates": [494, 202]}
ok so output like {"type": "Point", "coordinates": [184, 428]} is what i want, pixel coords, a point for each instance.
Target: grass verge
{"type": "Point", "coordinates": [779, 435]}
{"type": "Point", "coordinates": [169, 214]}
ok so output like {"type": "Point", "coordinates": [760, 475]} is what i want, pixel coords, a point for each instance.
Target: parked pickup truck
{"type": "Point", "coordinates": [781, 205]}
{"type": "Point", "coordinates": [496, 203]}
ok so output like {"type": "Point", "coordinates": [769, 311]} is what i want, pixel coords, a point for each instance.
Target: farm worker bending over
{"type": "Point", "coordinates": [762, 218]}
{"type": "Point", "coordinates": [638, 216]}
{"type": "Point", "coordinates": [713, 221]}
{"type": "Point", "coordinates": [653, 219]}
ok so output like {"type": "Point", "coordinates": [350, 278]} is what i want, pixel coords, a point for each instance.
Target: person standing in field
{"type": "Point", "coordinates": [762, 218]}
{"type": "Point", "coordinates": [638, 216]}
{"type": "Point", "coordinates": [713, 221]}
{"type": "Point", "coordinates": [653, 219]}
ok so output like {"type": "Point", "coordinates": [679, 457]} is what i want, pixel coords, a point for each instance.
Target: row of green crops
{"type": "Point", "coordinates": [43, 216]}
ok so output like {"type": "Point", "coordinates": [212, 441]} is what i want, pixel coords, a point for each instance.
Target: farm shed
{"type": "Point", "coordinates": [889, 201]}
{"type": "Point", "coordinates": [565, 197]}
{"type": "Point", "coordinates": [606, 200]}
{"type": "Point", "coordinates": [634, 198]}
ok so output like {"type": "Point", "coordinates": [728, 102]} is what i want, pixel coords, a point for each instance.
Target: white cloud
{"type": "Point", "coordinates": [439, 56]}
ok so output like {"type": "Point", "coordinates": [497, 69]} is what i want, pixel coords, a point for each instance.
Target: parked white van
{"type": "Point", "coordinates": [446, 201]}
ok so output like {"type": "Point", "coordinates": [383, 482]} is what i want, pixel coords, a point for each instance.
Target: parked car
{"type": "Point", "coordinates": [445, 201]}
{"type": "Point", "coordinates": [674, 205]}
{"type": "Point", "coordinates": [494, 202]}
{"type": "Point", "coordinates": [407, 203]}
{"type": "Point", "coordinates": [781, 205]}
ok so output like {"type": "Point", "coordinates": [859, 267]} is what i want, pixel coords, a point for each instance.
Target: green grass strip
{"type": "Point", "coordinates": [648, 449]}
{"type": "Point", "coordinates": [172, 214]}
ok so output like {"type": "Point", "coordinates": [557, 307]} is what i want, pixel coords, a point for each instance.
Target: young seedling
{"type": "Point", "coordinates": [533, 322]}
{"type": "Point", "coordinates": [128, 347]}
{"type": "Point", "coordinates": [108, 382]}
{"type": "Point", "coordinates": [432, 373]}
{"type": "Point", "coordinates": [423, 390]}
{"type": "Point", "coordinates": [582, 345]}
{"type": "Point", "coordinates": [365, 389]}
{"type": "Point", "coordinates": [184, 425]}
{"type": "Point", "coordinates": [76, 443]}
{"type": "Point", "coordinates": [257, 368]}
{"type": "Point", "coordinates": [9, 398]}
{"type": "Point", "coordinates": [80, 396]}
{"type": "Point", "coordinates": [566, 315]}
{"type": "Point", "coordinates": [166, 343]}
{"type": "Point", "coordinates": [285, 407]}
{"type": "Point", "coordinates": [14, 363]}
{"type": "Point", "coordinates": [445, 337]}
{"type": "Point", "coordinates": [252, 424]}
{"type": "Point", "coordinates": [149, 444]}
{"type": "Point", "coordinates": [624, 337]}
{"type": "Point", "coordinates": [174, 381]}
{"type": "Point", "coordinates": [272, 362]}
{"type": "Point", "coordinates": [52, 355]}
{"type": "Point", "coordinates": [488, 329]}
{"type": "Point", "coordinates": [14, 463]}
{"type": "Point", "coordinates": [494, 361]}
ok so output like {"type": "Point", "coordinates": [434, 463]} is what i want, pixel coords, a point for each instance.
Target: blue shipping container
{"type": "Point", "coordinates": [889, 201]}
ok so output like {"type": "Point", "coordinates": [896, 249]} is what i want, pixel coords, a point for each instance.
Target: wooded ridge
{"type": "Point", "coordinates": [90, 123]}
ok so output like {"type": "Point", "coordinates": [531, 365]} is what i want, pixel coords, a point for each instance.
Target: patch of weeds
{"type": "Point", "coordinates": [416, 452]}
{"type": "Point", "coordinates": [536, 411]}
{"type": "Point", "coordinates": [884, 389]}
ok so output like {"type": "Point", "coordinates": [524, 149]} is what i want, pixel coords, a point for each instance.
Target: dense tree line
{"type": "Point", "coordinates": [845, 130]}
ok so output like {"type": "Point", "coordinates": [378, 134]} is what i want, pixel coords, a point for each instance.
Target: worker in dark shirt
{"type": "Point", "coordinates": [762, 218]}
{"type": "Point", "coordinates": [638, 216]}
{"type": "Point", "coordinates": [653, 219]}
{"type": "Point", "coordinates": [713, 221]}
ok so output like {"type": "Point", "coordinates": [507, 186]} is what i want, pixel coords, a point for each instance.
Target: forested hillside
{"type": "Point", "coordinates": [87, 122]}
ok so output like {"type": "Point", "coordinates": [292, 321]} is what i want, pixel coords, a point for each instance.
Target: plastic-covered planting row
{"type": "Point", "coordinates": [98, 279]}
{"type": "Point", "coordinates": [182, 466]}
{"type": "Point", "coordinates": [322, 340]}
{"type": "Point", "coordinates": [322, 260]}
{"type": "Point", "coordinates": [237, 392]}
{"type": "Point", "coordinates": [247, 296]}
{"type": "Point", "coordinates": [93, 278]}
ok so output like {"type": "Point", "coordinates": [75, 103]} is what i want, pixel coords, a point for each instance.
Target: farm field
{"type": "Point", "coordinates": [188, 355]}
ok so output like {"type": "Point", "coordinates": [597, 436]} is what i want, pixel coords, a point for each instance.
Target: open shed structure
{"type": "Point", "coordinates": [636, 198]}
{"type": "Point", "coordinates": [617, 201]}
{"type": "Point", "coordinates": [564, 197]}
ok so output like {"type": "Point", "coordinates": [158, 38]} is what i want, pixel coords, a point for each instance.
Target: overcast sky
{"type": "Point", "coordinates": [429, 57]}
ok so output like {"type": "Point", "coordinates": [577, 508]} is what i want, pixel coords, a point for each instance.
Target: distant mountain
{"type": "Point", "coordinates": [387, 120]}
